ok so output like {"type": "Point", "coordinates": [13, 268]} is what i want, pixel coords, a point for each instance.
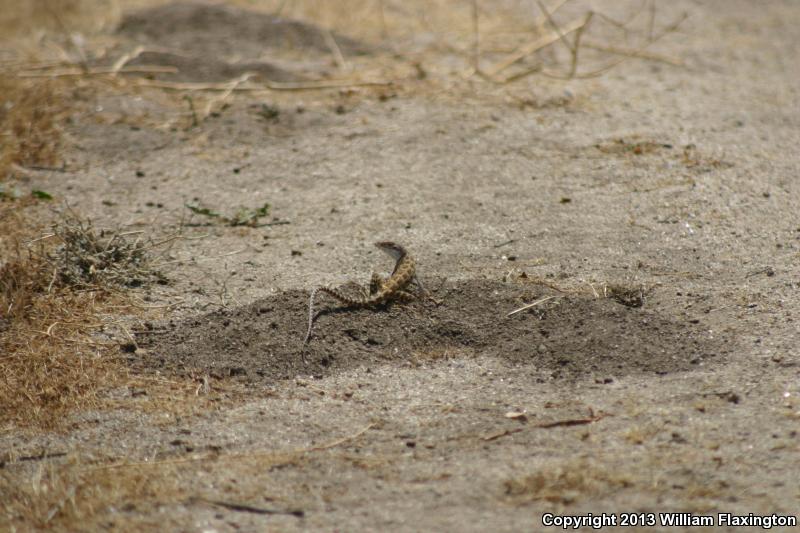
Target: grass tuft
{"type": "Point", "coordinates": [56, 294]}
{"type": "Point", "coordinates": [30, 113]}
{"type": "Point", "coordinates": [565, 484]}
{"type": "Point", "coordinates": [87, 258]}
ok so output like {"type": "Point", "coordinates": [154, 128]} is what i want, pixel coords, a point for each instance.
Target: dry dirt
{"type": "Point", "coordinates": [654, 206]}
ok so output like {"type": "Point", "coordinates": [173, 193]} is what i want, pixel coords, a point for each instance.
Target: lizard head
{"type": "Point", "coordinates": [393, 249]}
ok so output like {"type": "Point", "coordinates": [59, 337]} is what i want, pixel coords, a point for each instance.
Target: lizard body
{"type": "Point", "coordinates": [380, 290]}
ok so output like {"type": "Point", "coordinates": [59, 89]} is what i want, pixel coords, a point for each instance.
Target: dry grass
{"type": "Point", "coordinates": [457, 45]}
{"type": "Point", "coordinates": [30, 113]}
{"type": "Point", "coordinates": [50, 361]}
{"type": "Point", "coordinates": [55, 292]}
{"type": "Point", "coordinates": [80, 496]}
{"type": "Point", "coordinates": [74, 496]}
{"type": "Point", "coordinates": [86, 258]}
{"type": "Point", "coordinates": [628, 293]}
{"type": "Point", "coordinates": [566, 483]}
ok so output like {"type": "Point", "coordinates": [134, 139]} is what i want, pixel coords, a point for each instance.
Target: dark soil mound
{"type": "Point", "coordinates": [226, 31]}
{"type": "Point", "coordinates": [569, 336]}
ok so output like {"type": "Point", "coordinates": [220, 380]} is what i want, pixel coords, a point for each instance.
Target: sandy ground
{"type": "Point", "coordinates": [656, 204]}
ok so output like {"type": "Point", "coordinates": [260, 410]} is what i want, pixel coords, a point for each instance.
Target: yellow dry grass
{"type": "Point", "coordinates": [49, 362]}
{"type": "Point", "coordinates": [29, 123]}
{"type": "Point", "coordinates": [52, 305]}
{"type": "Point", "coordinates": [74, 496]}
{"type": "Point", "coordinates": [566, 483]}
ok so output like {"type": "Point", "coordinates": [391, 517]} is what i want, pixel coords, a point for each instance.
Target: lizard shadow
{"type": "Point", "coordinates": [385, 307]}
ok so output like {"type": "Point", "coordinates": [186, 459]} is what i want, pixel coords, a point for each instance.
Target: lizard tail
{"type": "Point", "coordinates": [310, 316]}
{"type": "Point", "coordinates": [333, 292]}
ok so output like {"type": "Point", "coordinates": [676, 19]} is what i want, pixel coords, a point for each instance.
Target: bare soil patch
{"type": "Point", "coordinates": [651, 202]}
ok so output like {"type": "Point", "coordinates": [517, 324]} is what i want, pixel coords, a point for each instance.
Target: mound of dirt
{"type": "Point", "coordinates": [569, 336]}
{"type": "Point", "coordinates": [213, 30]}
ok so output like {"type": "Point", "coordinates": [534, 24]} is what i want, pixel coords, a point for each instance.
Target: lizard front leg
{"type": "Point", "coordinates": [375, 283]}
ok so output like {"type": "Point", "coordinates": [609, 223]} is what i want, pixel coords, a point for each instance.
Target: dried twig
{"type": "Point", "coordinates": [651, 21]}
{"type": "Point", "coordinates": [125, 58]}
{"type": "Point", "coordinates": [245, 508]}
{"type": "Point", "coordinates": [579, 26]}
{"type": "Point", "coordinates": [542, 18]}
{"type": "Point", "coordinates": [503, 433]}
{"type": "Point", "coordinates": [561, 36]}
{"type": "Point", "coordinates": [100, 70]}
{"type": "Point", "coordinates": [573, 421]}
{"type": "Point", "coordinates": [232, 85]}
{"type": "Point", "coordinates": [338, 57]}
{"type": "Point", "coordinates": [547, 425]}
{"type": "Point", "coordinates": [531, 47]}
{"type": "Point", "coordinates": [476, 40]}
{"type": "Point", "coordinates": [338, 442]}
{"type": "Point", "coordinates": [262, 86]}
{"type": "Point", "coordinates": [664, 31]}
{"type": "Point", "coordinates": [528, 306]}
{"type": "Point", "coordinates": [576, 46]}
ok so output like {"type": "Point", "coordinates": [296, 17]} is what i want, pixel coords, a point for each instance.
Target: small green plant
{"type": "Point", "coordinates": [244, 216]}
{"type": "Point", "coordinates": [41, 195]}
{"type": "Point", "coordinates": [12, 192]}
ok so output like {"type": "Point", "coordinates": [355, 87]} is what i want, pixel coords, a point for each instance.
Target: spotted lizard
{"type": "Point", "coordinates": [381, 290]}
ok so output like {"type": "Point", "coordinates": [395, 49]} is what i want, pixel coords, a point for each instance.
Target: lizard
{"type": "Point", "coordinates": [381, 290]}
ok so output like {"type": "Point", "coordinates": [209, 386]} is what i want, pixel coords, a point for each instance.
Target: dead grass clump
{"type": "Point", "coordinates": [49, 363]}
{"type": "Point", "coordinates": [629, 295]}
{"type": "Point", "coordinates": [625, 295]}
{"type": "Point", "coordinates": [566, 484]}
{"type": "Point", "coordinates": [79, 497]}
{"type": "Point", "coordinates": [75, 495]}
{"type": "Point", "coordinates": [53, 298]}
{"type": "Point", "coordinates": [20, 281]}
{"type": "Point", "coordinates": [86, 258]}
{"type": "Point", "coordinates": [30, 114]}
